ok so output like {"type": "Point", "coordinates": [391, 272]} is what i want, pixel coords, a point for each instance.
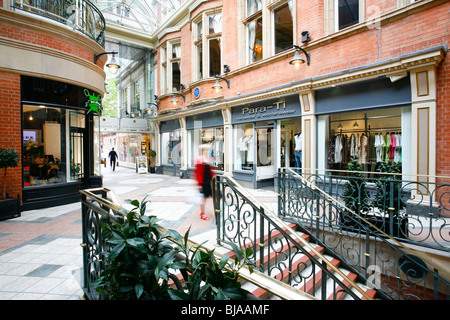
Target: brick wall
{"type": "Point", "coordinates": [443, 120]}
{"type": "Point", "coordinates": [10, 128]}
{"type": "Point", "coordinates": [45, 40]}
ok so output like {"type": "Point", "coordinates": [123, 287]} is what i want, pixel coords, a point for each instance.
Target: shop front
{"type": "Point", "coordinates": [369, 121]}
{"type": "Point", "coordinates": [58, 122]}
{"type": "Point", "coordinates": [266, 135]}
{"type": "Point", "coordinates": [206, 130]}
{"type": "Point", "coordinates": [170, 146]}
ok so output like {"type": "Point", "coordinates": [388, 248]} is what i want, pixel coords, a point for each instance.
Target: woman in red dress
{"type": "Point", "coordinates": [203, 175]}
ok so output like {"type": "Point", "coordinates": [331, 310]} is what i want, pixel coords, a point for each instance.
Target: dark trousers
{"type": "Point", "coordinates": [112, 163]}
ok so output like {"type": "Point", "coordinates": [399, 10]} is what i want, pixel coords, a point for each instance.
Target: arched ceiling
{"type": "Point", "coordinates": [140, 15]}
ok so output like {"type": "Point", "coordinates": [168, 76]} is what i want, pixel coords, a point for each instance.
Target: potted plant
{"type": "Point", "coordinates": [389, 200]}
{"type": "Point", "coordinates": [355, 195]}
{"type": "Point", "coordinates": [152, 155]}
{"type": "Point", "coordinates": [9, 207]}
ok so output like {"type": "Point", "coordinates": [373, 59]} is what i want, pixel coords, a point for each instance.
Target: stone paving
{"type": "Point", "coordinates": [40, 252]}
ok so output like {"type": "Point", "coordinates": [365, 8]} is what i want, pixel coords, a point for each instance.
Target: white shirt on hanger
{"type": "Point", "coordinates": [298, 138]}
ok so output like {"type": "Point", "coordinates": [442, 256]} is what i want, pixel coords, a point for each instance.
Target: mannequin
{"type": "Point", "coordinates": [298, 139]}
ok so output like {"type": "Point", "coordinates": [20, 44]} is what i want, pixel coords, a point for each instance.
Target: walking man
{"type": "Point", "coordinates": [112, 159]}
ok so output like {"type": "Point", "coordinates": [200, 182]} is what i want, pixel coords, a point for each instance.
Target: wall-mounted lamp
{"type": "Point", "coordinates": [113, 65]}
{"type": "Point", "coordinates": [340, 127]}
{"type": "Point", "coordinates": [297, 60]}
{"type": "Point", "coordinates": [355, 125]}
{"type": "Point", "coordinates": [152, 104]}
{"type": "Point", "coordinates": [217, 85]}
{"type": "Point", "coordinates": [175, 100]}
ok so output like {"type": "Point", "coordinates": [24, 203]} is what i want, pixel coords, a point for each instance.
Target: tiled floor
{"type": "Point", "coordinates": [40, 252]}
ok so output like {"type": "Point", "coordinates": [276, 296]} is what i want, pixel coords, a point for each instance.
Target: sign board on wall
{"type": "Point", "coordinates": [278, 108]}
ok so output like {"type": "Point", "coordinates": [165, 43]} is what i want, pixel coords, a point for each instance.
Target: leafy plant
{"type": "Point", "coordinates": [389, 187]}
{"type": "Point", "coordinates": [355, 194]}
{"type": "Point", "coordinates": [9, 158]}
{"type": "Point", "coordinates": [141, 257]}
{"type": "Point", "coordinates": [152, 155]}
{"type": "Point", "coordinates": [209, 280]}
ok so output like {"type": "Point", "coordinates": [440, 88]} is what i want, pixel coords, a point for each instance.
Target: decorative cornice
{"type": "Point", "coordinates": [390, 68]}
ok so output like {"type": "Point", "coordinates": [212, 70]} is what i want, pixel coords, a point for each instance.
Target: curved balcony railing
{"type": "Point", "coordinates": [81, 15]}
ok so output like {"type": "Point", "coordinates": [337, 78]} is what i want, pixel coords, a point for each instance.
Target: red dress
{"type": "Point", "coordinates": [203, 175]}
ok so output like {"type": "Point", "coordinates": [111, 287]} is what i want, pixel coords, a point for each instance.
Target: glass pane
{"type": "Point", "coordinates": [284, 28]}
{"type": "Point", "coordinates": [264, 146]}
{"type": "Point", "coordinates": [255, 42]}
{"type": "Point", "coordinates": [253, 6]}
{"type": "Point", "coordinates": [176, 76]}
{"type": "Point", "coordinates": [244, 147]}
{"type": "Point", "coordinates": [212, 138]}
{"type": "Point", "coordinates": [215, 23]}
{"type": "Point", "coordinates": [76, 155]}
{"type": "Point", "coordinates": [171, 147]}
{"type": "Point", "coordinates": [200, 61]}
{"type": "Point", "coordinates": [199, 30]}
{"type": "Point", "coordinates": [176, 50]}
{"type": "Point", "coordinates": [44, 144]}
{"type": "Point", "coordinates": [214, 57]}
{"type": "Point", "coordinates": [348, 13]}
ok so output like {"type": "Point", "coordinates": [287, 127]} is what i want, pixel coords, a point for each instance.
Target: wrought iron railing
{"type": "Point", "coordinates": [81, 15]}
{"type": "Point", "coordinates": [243, 220]}
{"type": "Point", "coordinates": [371, 226]}
{"type": "Point", "coordinates": [98, 204]}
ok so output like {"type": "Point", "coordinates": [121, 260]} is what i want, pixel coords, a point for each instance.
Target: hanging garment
{"type": "Point", "coordinates": [363, 149]}
{"type": "Point", "coordinates": [386, 147]}
{"type": "Point", "coordinates": [398, 148]}
{"type": "Point", "coordinates": [331, 148]}
{"type": "Point", "coordinates": [379, 147]}
{"type": "Point", "coordinates": [251, 149]}
{"type": "Point", "coordinates": [392, 147]}
{"type": "Point", "coordinates": [338, 149]}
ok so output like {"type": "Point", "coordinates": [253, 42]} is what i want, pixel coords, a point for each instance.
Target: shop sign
{"type": "Point", "coordinates": [94, 103]}
{"type": "Point", "coordinates": [287, 107]}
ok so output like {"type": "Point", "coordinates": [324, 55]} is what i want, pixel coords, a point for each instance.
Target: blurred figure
{"type": "Point", "coordinates": [203, 175]}
{"type": "Point", "coordinates": [112, 159]}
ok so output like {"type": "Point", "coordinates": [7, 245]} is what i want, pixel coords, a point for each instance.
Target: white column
{"type": "Point", "coordinates": [309, 124]}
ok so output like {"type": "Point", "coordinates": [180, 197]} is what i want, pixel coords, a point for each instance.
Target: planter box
{"type": "Point", "coordinates": [10, 208]}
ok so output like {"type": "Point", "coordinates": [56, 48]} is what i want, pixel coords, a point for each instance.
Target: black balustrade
{"type": "Point", "coordinates": [374, 226]}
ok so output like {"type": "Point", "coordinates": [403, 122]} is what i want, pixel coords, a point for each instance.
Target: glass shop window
{"type": "Point", "coordinates": [44, 146]}
{"type": "Point", "coordinates": [214, 140]}
{"type": "Point", "coordinates": [171, 148]}
{"type": "Point", "coordinates": [244, 147]}
{"type": "Point", "coordinates": [371, 137]}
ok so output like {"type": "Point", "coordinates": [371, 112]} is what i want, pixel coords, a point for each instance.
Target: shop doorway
{"type": "Point", "coordinates": [76, 149]}
{"type": "Point", "coordinates": [290, 142]}
{"type": "Point", "coordinates": [265, 162]}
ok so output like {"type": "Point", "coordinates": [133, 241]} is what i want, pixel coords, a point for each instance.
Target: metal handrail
{"type": "Point", "coordinates": [81, 15]}
{"type": "Point", "coordinates": [423, 202]}
{"type": "Point", "coordinates": [114, 209]}
{"type": "Point", "coordinates": [386, 236]}
{"type": "Point", "coordinates": [289, 234]}
{"type": "Point", "coordinates": [363, 226]}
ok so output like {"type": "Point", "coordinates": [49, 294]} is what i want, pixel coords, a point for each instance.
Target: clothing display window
{"type": "Point", "coordinates": [291, 143]}
{"type": "Point", "coordinates": [370, 137]}
{"type": "Point", "coordinates": [171, 148]}
{"type": "Point", "coordinates": [213, 139]}
{"type": "Point", "coordinates": [129, 147]}
{"type": "Point", "coordinates": [244, 147]}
